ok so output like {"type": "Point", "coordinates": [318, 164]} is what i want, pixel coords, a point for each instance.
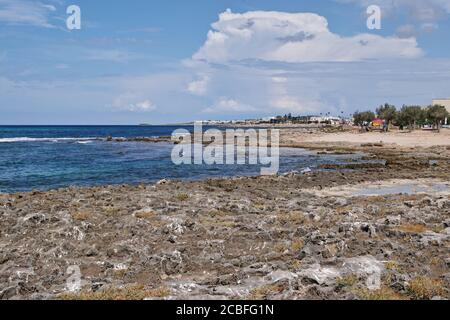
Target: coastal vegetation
{"type": "Point", "coordinates": [410, 117]}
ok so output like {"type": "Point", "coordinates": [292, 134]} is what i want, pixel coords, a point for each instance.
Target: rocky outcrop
{"type": "Point", "coordinates": [261, 238]}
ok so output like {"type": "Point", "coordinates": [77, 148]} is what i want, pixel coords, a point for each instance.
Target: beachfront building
{"type": "Point", "coordinates": [446, 104]}
{"type": "Point", "coordinates": [321, 119]}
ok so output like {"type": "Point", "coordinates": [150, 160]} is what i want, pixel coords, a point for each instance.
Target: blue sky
{"type": "Point", "coordinates": [178, 60]}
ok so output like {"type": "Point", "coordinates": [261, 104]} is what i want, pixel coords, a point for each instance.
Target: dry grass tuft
{"type": "Point", "coordinates": [295, 265]}
{"type": "Point", "coordinates": [423, 288]}
{"type": "Point", "coordinates": [348, 281]}
{"type": "Point", "coordinates": [218, 221]}
{"type": "Point", "coordinates": [121, 273]}
{"type": "Point", "coordinates": [280, 248]}
{"type": "Point", "coordinates": [343, 210]}
{"type": "Point", "coordinates": [297, 245]}
{"type": "Point", "coordinates": [111, 211]}
{"type": "Point", "coordinates": [147, 215]}
{"type": "Point", "coordinates": [219, 213]}
{"type": "Point", "coordinates": [127, 293]}
{"type": "Point", "coordinates": [413, 228]}
{"type": "Point", "coordinates": [294, 217]}
{"type": "Point", "coordinates": [81, 216]}
{"type": "Point", "coordinates": [182, 197]}
{"type": "Point", "coordinates": [384, 293]}
{"type": "Point", "coordinates": [392, 265]}
{"type": "Point", "coordinates": [264, 292]}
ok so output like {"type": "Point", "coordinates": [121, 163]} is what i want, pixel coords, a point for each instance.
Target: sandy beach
{"type": "Point", "coordinates": [299, 236]}
{"type": "Point", "coordinates": [418, 138]}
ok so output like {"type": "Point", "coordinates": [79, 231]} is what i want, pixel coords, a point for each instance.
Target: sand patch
{"type": "Point", "coordinates": [405, 139]}
{"type": "Point", "coordinates": [389, 187]}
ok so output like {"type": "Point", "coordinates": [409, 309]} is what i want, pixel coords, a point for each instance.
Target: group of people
{"type": "Point", "coordinates": [377, 124]}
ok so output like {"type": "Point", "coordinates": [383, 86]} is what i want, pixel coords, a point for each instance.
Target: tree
{"type": "Point", "coordinates": [387, 112]}
{"type": "Point", "coordinates": [410, 116]}
{"type": "Point", "coordinates": [361, 117]}
{"type": "Point", "coordinates": [437, 115]}
{"type": "Point", "coordinates": [402, 119]}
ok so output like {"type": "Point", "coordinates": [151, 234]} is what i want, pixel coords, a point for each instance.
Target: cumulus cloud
{"type": "Point", "coordinates": [199, 87]}
{"type": "Point", "coordinates": [35, 13]}
{"type": "Point", "coordinates": [310, 88]}
{"type": "Point", "coordinates": [226, 105]}
{"type": "Point", "coordinates": [294, 37]}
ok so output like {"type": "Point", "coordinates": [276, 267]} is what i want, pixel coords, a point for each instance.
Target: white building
{"type": "Point", "coordinates": [332, 120]}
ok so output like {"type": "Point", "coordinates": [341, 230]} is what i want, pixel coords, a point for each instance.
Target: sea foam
{"type": "Point", "coordinates": [27, 139]}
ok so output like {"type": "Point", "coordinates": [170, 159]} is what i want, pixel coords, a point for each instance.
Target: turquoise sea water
{"type": "Point", "coordinates": [49, 157]}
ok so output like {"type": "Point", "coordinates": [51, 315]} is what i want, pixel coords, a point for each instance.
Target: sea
{"type": "Point", "coordinates": [50, 157]}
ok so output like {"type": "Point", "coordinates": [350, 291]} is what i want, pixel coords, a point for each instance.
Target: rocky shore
{"type": "Point", "coordinates": [286, 237]}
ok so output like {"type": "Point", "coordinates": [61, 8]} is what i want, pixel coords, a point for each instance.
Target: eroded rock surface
{"type": "Point", "coordinates": [281, 237]}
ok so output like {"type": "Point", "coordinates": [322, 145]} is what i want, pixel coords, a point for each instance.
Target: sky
{"type": "Point", "coordinates": [172, 61]}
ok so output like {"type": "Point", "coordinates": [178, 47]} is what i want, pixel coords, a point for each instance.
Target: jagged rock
{"type": "Point", "coordinates": [446, 223]}
{"type": "Point", "coordinates": [367, 267]}
{"type": "Point", "coordinates": [163, 181]}
{"type": "Point", "coordinates": [8, 293]}
{"type": "Point", "coordinates": [447, 262]}
{"type": "Point", "coordinates": [370, 229]}
{"type": "Point", "coordinates": [321, 275]}
{"type": "Point", "coordinates": [279, 275]}
{"type": "Point", "coordinates": [433, 238]}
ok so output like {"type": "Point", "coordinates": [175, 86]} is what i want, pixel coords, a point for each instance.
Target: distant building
{"type": "Point", "coordinates": [330, 120]}
{"type": "Point", "coordinates": [445, 103]}
{"type": "Point", "coordinates": [442, 102]}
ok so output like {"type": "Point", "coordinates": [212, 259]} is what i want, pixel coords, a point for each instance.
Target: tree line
{"type": "Point", "coordinates": [412, 117]}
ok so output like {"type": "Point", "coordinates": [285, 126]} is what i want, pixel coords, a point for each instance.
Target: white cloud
{"type": "Point", "coordinates": [226, 105]}
{"type": "Point", "coordinates": [24, 12]}
{"type": "Point", "coordinates": [235, 92]}
{"type": "Point", "coordinates": [429, 27]}
{"type": "Point", "coordinates": [146, 105]}
{"type": "Point", "coordinates": [199, 87]}
{"type": "Point", "coordinates": [294, 37]}
{"type": "Point", "coordinates": [295, 104]}
{"type": "Point", "coordinates": [406, 31]}
{"type": "Point", "coordinates": [112, 55]}
{"type": "Point", "coordinates": [279, 79]}
{"type": "Point", "coordinates": [127, 102]}
{"type": "Point", "coordinates": [255, 87]}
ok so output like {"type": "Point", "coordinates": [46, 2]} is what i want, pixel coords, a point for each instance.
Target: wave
{"type": "Point", "coordinates": [27, 139]}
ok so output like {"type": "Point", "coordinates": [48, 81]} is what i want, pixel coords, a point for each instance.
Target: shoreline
{"type": "Point", "coordinates": [309, 236]}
